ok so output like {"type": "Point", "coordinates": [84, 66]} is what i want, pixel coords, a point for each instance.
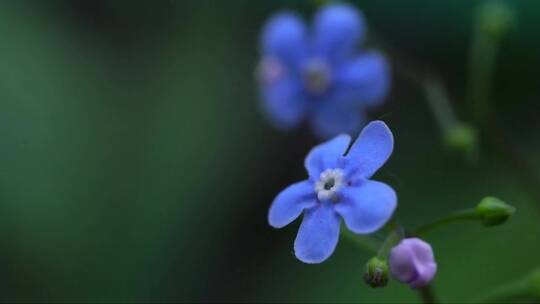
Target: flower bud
{"type": "Point", "coordinates": [412, 262]}
{"type": "Point", "coordinates": [461, 137]}
{"type": "Point", "coordinates": [495, 18]}
{"type": "Point", "coordinates": [534, 283]}
{"type": "Point", "coordinates": [494, 211]}
{"type": "Point", "coordinates": [376, 274]}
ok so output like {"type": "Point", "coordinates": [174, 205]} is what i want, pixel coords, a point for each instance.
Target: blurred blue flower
{"type": "Point", "coordinates": [338, 187]}
{"type": "Point", "coordinates": [318, 76]}
{"type": "Point", "coordinates": [412, 262]}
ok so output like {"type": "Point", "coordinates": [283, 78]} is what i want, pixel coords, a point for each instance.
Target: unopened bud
{"type": "Point", "coordinates": [376, 274]}
{"type": "Point", "coordinates": [534, 283]}
{"type": "Point", "coordinates": [495, 18]}
{"type": "Point", "coordinates": [494, 211]}
{"type": "Point", "coordinates": [461, 137]}
{"type": "Point", "coordinates": [412, 262]}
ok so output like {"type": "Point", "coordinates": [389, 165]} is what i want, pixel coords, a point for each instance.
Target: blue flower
{"type": "Point", "coordinates": [317, 76]}
{"type": "Point", "coordinates": [338, 188]}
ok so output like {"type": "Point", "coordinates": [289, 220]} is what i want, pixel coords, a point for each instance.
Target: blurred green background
{"type": "Point", "coordinates": [136, 164]}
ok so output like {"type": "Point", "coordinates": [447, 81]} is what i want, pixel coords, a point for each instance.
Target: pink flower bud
{"type": "Point", "coordinates": [412, 262]}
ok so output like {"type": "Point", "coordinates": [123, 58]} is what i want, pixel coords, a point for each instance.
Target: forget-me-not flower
{"type": "Point", "coordinates": [338, 187]}
{"type": "Point", "coordinates": [317, 75]}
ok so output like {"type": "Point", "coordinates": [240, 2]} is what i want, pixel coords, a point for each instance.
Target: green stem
{"type": "Point", "coordinates": [482, 58]}
{"type": "Point", "coordinates": [427, 295]}
{"type": "Point", "coordinates": [364, 242]}
{"type": "Point", "coordinates": [518, 163]}
{"type": "Point", "coordinates": [482, 63]}
{"type": "Point", "coordinates": [439, 103]}
{"type": "Point", "coordinates": [463, 215]}
{"type": "Point", "coordinates": [436, 96]}
{"type": "Point", "coordinates": [368, 243]}
{"type": "Point", "coordinates": [391, 240]}
{"type": "Point", "coordinates": [319, 3]}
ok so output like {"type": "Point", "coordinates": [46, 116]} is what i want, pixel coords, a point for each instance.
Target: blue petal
{"type": "Point", "coordinates": [326, 155]}
{"type": "Point", "coordinates": [283, 102]}
{"type": "Point", "coordinates": [364, 80]}
{"type": "Point", "coordinates": [338, 29]}
{"type": "Point", "coordinates": [318, 234]}
{"type": "Point", "coordinates": [285, 37]}
{"type": "Point", "coordinates": [290, 203]}
{"type": "Point", "coordinates": [330, 120]}
{"type": "Point", "coordinates": [367, 207]}
{"type": "Point", "coordinates": [371, 150]}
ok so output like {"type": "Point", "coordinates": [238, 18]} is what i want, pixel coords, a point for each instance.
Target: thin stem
{"type": "Point", "coordinates": [436, 96]}
{"type": "Point", "coordinates": [319, 3]}
{"type": "Point", "coordinates": [391, 240]}
{"type": "Point", "coordinates": [482, 63]}
{"type": "Point", "coordinates": [463, 215]}
{"type": "Point", "coordinates": [521, 168]}
{"type": "Point", "coordinates": [482, 59]}
{"type": "Point", "coordinates": [427, 295]}
{"type": "Point", "coordinates": [364, 242]}
{"type": "Point", "coordinates": [437, 99]}
{"type": "Point", "coordinates": [439, 103]}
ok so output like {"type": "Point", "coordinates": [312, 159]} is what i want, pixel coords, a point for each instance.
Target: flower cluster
{"type": "Point", "coordinates": [317, 75]}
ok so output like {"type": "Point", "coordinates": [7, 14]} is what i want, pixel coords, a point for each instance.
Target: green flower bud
{"type": "Point", "coordinates": [493, 211]}
{"type": "Point", "coordinates": [495, 18]}
{"type": "Point", "coordinates": [461, 137]}
{"type": "Point", "coordinates": [534, 283]}
{"type": "Point", "coordinates": [376, 274]}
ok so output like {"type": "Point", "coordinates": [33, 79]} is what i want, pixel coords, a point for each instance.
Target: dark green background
{"type": "Point", "coordinates": [136, 165]}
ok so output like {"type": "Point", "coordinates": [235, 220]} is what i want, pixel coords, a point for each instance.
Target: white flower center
{"type": "Point", "coordinates": [329, 183]}
{"type": "Point", "coordinates": [316, 76]}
